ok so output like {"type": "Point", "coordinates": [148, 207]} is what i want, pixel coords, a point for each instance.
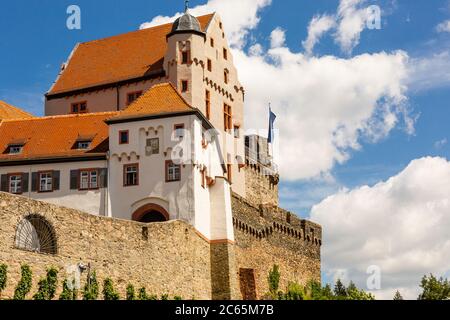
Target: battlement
{"type": "Point", "coordinates": [274, 224]}
{"type": "Point", "coordinates": [261, 175]}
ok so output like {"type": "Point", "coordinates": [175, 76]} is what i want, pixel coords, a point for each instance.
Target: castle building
{"type": "Point", "coordinates": [148, 127]}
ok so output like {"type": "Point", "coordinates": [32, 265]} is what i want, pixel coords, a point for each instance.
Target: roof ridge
{"type": "Point", "coordinates": [140, 30]}
{"type": "Point", "coordinates": [78, 115]}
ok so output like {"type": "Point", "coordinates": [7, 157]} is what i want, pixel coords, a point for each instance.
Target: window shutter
{"type": "Point", "coordinates": [25, 182]}
{"type": "Point", "coordinates": [34, 182]}
{"type": "Point", "coordinates": [56, 178]}
{"type": "Point", "coordinates": [74, 179]}
{"type": "Point", "coordinates": [4, 183]}
{"type": "Point", "coordinates": [103, 178]}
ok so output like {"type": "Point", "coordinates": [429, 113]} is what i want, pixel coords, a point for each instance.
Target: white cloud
{"type": "Point", "coordinates": [325, 105]}
{"type": "Point", "coordinates": [440, 144]}
{"type": "Point", "coordinates": [429, 72]}
{"type": "Point", "coordinates": [318, 26]}
{"type": "Point", "coordinates": [277, 38]}
{"type": "Point", "coordinates": [240, 16]}
{"type": "Point", "coordinates": [400, 225]}
{"type": "Point", "coordinates": [443, 27]}
{"type": "Point", "coordinates": [352, 21]}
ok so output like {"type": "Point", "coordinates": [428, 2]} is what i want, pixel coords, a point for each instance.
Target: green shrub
{"type": "Point", "coordinates": [108, 290]}
{"type": "Point", "coordinates": [25, 283]}
{"type": "Point", "coordinates": [90, 291]}
{"type": "Point", "coordinates": [47, 286]}
{"type": "Point", "coordinates": [165, 297]}
{"type": "Point", "coordinates": [67, 293]}
{"type": "Point", "coordinates": [131, 295]}
{"type": "Point", "coordinates": [143, 294]}
{"type": "Point", "coordinates": [274, 280]}
{"type": "Point", "coordinates": [177, 298]}
{"type": "Point", "coordinates": [3, 277]}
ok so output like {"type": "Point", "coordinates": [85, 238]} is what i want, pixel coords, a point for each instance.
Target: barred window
{"type": "Point", "coordinates": [34, 233]}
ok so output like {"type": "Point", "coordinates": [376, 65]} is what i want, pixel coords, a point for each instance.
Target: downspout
{"type": "Point", "coordinates": [118, 97]}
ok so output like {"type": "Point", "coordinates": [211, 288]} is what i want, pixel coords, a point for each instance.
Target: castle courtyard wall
{"type": "Point", "coordinates": [145, 255]}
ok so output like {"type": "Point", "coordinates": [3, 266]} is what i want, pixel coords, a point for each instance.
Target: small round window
{"type": "Point", "coordinates": [35, 233]}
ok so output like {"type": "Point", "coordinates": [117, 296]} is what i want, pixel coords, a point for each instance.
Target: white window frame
{"type": "Point", "coordinates": [45, 182]}
{"type": "Point", "coordinates": [15, 184]}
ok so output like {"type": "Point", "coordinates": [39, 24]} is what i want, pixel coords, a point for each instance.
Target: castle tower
{"type": "Point", "coordinates": [185, 50]}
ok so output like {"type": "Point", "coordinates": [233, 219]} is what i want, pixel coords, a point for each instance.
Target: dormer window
{"type": "Point", "coordinates": [15, 149]}
{"type": "Point", "coordinates": [83, 145]}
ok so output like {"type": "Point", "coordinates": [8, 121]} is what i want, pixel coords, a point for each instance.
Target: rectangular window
{"type": "Point", "coordinates": [184, 57]}
{"type": "Point", "coordinates": [226, 76]}
{"type": "Point", "coordinates": [124, 137]}
{"type": "Point", "coordinates": [15, 149]}
{"type": "Point", "coordinates": [179, 131]}
{"type": "Point", "coordinates": [152, 146]}
{"type": "Point", "coordinates": [130, 175]}
{"type": "Point", "coordinates": [209, 65]}
{"type": "Point", "coordinates": [88, 179]}
{"type": "Point", "coordinates": [237, 132]}
{"type": "Point", "coordinates": [225, 54]}
{"type": "Point", "coordinates": [203, 177]}
{"type": "Point", "coordinates": [184, 86]}
{"type": "Point", "coordinates": [208, 104]}
{"type": "Point", "coordinates": [45, 181]}
{"type": "Point", "coordinates": [133, 96]}
{"type": "Point", "coordinates": [15, 183]}
{"type": "Point", "coordinates": [211, 42]}
{"type": "Point", "coordinates": [173, 172]}
{"type": "Point", "coordinates": [228, 117]}
{"type": "Point", "coordinates": [79, 107]}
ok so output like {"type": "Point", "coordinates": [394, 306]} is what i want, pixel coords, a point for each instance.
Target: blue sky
{"type": "Point", "coordinates": [34, 41]}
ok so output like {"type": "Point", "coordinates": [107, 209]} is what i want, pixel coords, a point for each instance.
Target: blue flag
{"type": "Point", "coordinates": [272, 118]}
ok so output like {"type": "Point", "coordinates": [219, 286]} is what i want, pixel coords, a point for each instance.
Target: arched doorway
{"type": "Point", "coordinates": [151, 213]}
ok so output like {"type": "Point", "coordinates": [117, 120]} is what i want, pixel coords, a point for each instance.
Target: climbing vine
{"type": "Point", "coordinates": [47, 286]}
{"type": "Point", "coordinates": [68, 292]}
{"type": "Point", "coordinates": [90, 291]}
{"type": "Point", "coordinates": [109, 292]}
{"type": "Point", "coordinates": [131, 295]}
{"type": "Point", "coordinates": [3, 277]}
{"type": "Point", "coordinates": [25, 283]}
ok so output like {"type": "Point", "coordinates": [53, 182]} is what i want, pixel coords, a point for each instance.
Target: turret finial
{"type": "Point", "coordinates": [186, 6]}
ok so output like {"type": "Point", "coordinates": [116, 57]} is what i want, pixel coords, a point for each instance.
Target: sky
{"type": "Point", "coordinates": [362, 104]}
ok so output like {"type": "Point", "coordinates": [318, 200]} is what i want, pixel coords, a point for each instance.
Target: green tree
{"type": "Point", "coordinates": [274, 280]}
{"type": "Point", "coordinates": [3, 277]}
{"type": "Point", "coordinates": [109, 292]}
{"type": "Point", "coordinates": [340, 291]}
{"type": "Point", "coordinates": [434, 289]}
{"type": "Point", "coordinates": [25, 283]}
{"type": "Point", "coordinates": [327, 293]}
{"type": "Point", "coordinates": [131, 294]}
{"type": "Point", "coordinates": [90, 291]}
{"type": "Point", "coordinates": [398, 296]}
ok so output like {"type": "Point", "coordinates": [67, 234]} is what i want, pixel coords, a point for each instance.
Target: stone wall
{"type": "Point", "coordinates": [145, 255]}
{"type": "Point", "coordinates": [167, 258]}
{"type": "Point", "coordinates": [269, 235]}
{"type": "Point", "coordinates": [261, 188]}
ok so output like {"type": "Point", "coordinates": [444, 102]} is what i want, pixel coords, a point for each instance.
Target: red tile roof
{"type": "Point", "coordinates": [54, 137]}
{"type": "Point", "coordinates": [8, 111]}
{"type": "Point", "coordinates": [123, 57]}
{"type": "Point", "coordinates": [160, 99]}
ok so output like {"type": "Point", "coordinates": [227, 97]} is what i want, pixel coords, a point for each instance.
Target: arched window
{"type": "Point", "coordinates": [35, 233]}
